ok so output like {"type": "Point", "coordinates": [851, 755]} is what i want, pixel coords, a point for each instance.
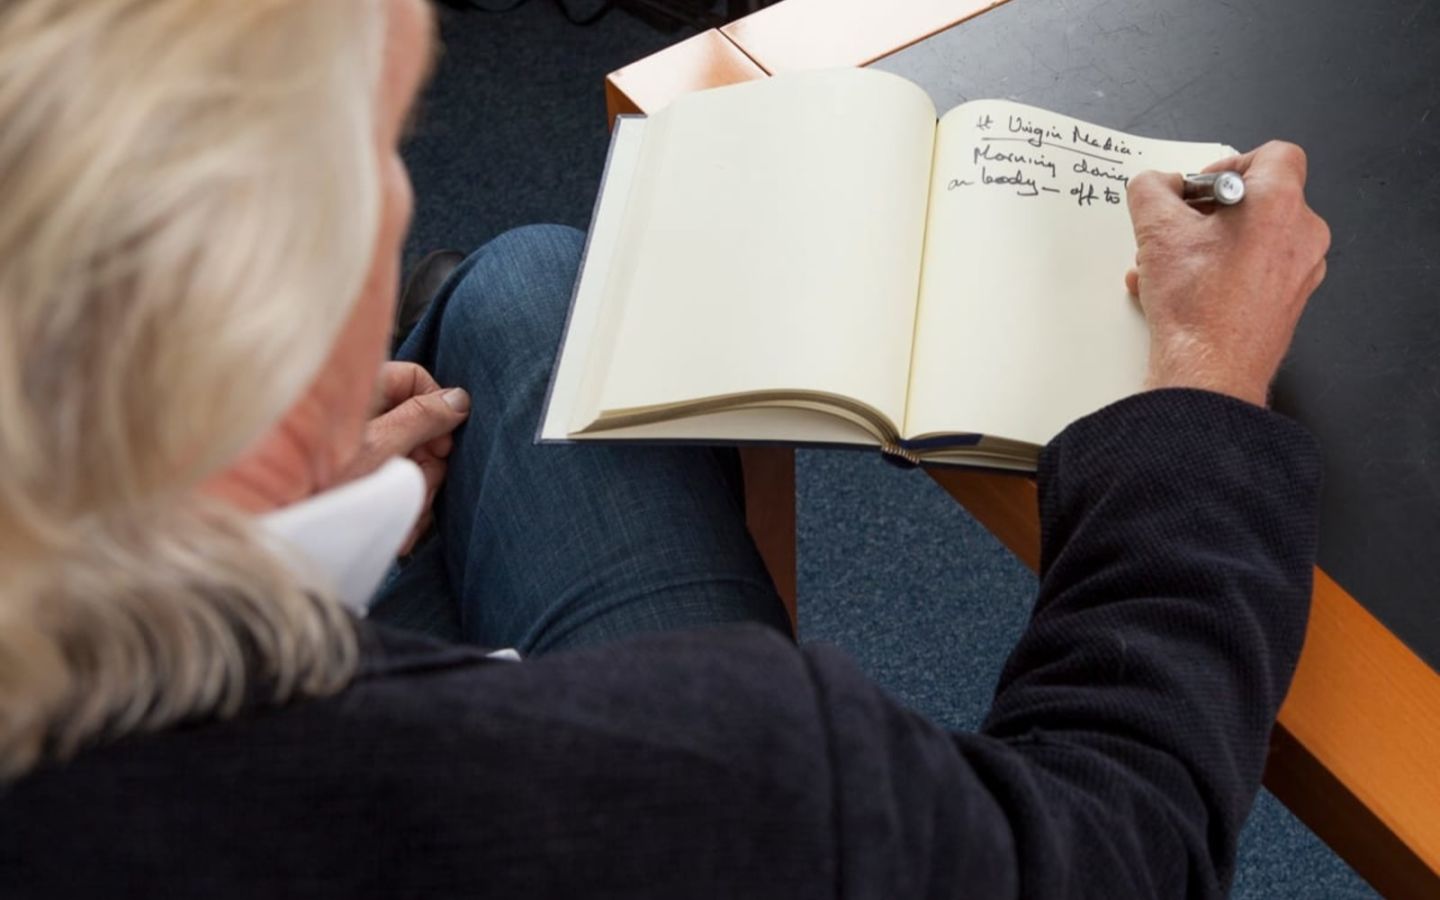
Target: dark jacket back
{"type": "Point", "coordinates": [1120, 758]}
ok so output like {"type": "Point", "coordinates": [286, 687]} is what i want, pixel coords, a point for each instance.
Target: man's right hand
{"type": "Point", "coordinates": [1222, 290]}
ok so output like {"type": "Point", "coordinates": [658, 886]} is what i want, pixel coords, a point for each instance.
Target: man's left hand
{"type": "Point", "coordinates": [415, 419]}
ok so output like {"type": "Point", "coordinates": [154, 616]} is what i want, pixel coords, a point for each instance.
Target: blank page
{"type": "Point", "coordinates": [1025, 324]}
{"type": "Point", "coordinates": [587, 325]}
{"type": "Point", "coordinates": [774, 243]}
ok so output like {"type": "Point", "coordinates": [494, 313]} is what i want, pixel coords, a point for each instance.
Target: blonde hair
{"type": "Point", "coordinates": [190, 203]}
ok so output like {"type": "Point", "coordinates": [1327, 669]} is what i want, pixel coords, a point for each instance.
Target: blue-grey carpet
{"type": "Point", "coordinates": [512, 131]}
{"type": "Point", "coordinates": [891, 569]}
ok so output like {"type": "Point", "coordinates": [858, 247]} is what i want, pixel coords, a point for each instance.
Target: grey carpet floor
{"type": "Point", "coordinates": [513, 132]}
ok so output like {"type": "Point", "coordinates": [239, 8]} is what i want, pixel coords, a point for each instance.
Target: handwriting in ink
{"type": "Point", "coordinates": [1024, 187]}
{"type": "Point", "coordinates": [1038, 133]}
{"type": "Point", "coordinates": [1083, 167]}
{"type": "Point", "coordinates": [988, 153]}
{"type": "Point", "coordinates": [1022, 157]}
{"type": "Point", "coordinates": [1066, 147]}
{"type": "Point", "coordinates": [1109, 144]}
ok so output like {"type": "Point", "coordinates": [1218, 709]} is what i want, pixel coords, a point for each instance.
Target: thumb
{"type": "Point", "coordinates": [420, 420]}
{"type": "Point", "coordinates": [1154, 197]}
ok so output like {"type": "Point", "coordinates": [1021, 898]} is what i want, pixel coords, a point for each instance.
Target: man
{"type": "Point", "coordinates": [1119, 759]}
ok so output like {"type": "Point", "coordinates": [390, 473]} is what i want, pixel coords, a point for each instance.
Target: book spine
{"type": "Point", "coordinates": [898, 456]}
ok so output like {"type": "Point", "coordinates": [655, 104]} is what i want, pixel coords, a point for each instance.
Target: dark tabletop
{"type": "Point", "coordinates": [1358, 86]}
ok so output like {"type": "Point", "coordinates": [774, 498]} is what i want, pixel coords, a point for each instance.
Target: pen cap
{"type": "Point", "coordinates": [1226, 188]}
{"type": "Point", "coordinates": [1229, 188]}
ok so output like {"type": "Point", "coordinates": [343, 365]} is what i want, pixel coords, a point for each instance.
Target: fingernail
{"type": "Point", "coordinates": [457, 399]}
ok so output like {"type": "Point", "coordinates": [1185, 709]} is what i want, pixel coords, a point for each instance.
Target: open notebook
{"type": "Point", "coordinates": [815, 259]}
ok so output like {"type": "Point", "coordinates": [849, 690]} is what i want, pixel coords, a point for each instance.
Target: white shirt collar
{"type": "Point", "coordinates": [346, 539]}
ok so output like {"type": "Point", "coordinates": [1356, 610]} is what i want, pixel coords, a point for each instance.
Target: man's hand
{"type": "Point", "coordinates": [415, 419]}
{"type": "Point", "coordinates": [1223, 289]}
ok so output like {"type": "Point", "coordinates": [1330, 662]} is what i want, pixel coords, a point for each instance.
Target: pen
{"type": "Point", "coordinates": [1224, 188]}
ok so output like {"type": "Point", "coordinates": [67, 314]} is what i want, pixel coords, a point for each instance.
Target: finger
{"type": "Point", "coordinates": [418, 421]}
{"type": "Point", "coordinates": [432, 469]}
{"type": "Point", "coordinates": [441, 447]}
{"type": "Point", "coordinates": [1132, 282]}
{"type": "Point", "coordinates": [1280, 161]}
{"type": "Point", "coordinates": [399, 381]}
{"type": "Point", "coordinates": [1240, 162]}
{"type": "Point", "coordinates": [419, 531]}
{"type": "Point", "coordinates": [1322, 235]}
{"type": "Point", "coordinates": [1313, 280]}
{"type": "Point", "coordinates": [434, 473]}
{"type": "Point", "coordinates": [1155, 197]}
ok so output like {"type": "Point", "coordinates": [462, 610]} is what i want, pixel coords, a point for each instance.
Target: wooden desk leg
{"type": "Point", "coordinates": [1007, 505]}
{"type": "Point", "coordinates": [770, 513]}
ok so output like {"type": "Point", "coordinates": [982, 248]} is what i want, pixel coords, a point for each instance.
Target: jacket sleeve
{"type": "Point", "coordinates": [1129, 729]}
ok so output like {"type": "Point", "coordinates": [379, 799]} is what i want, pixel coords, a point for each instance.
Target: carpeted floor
{"type": "Point", "coordinates": [890, 568]}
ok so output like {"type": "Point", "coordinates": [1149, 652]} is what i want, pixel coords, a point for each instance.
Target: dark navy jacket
{"type": "Point", "coordinates": [1121, 755]}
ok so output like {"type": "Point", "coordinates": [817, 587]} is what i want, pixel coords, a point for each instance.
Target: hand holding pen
{"type": "Point", "coordinates": [1222, 286]}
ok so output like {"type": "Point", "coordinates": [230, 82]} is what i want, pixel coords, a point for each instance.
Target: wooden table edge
{"type": "Point", "coordinates": [782, 37]}
{"type": "Point", "coordinates": [708, 59]}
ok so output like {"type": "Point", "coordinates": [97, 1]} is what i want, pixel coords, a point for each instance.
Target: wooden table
{"type": "Point", "coordinates": [1356, 751]}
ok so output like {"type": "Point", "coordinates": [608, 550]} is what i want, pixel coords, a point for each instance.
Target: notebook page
{"type": "Point", "coordinates": [775, 243]}
{"type": "Point", "coordinates": [1024, 322]}
{"type": "Point", "coordinates": [586, 325]}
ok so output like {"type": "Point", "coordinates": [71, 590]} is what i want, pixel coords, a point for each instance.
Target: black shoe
{"type": "Point", "coordinates": [421, 287]}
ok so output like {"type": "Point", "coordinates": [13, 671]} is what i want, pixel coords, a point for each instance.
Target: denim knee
{"type": "Point", "coordinates": [515, 292]}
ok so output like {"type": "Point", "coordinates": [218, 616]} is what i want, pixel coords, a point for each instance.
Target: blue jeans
{"type": "Point", "coordinates": [546, 547]}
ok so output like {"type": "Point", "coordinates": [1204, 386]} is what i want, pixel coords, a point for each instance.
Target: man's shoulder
{"type": "Point", "coordinates": [410, 688]}
{"type": "Point", "coordinates": [443, 751]}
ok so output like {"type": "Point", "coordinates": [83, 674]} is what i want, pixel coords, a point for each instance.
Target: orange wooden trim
{"type": "Point", "coordinates": [617, 102]}
{"type": "Point", "coordinates": [1357, 744]}
{"type": "Point", "coordinates": [816, 34]}
{"type": "Point", "coordinates": [1367, 710]}
{"type": "Point", "coordinates": [1332, 811]}
{"type": "Point", "coordinates": [706, 60]}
